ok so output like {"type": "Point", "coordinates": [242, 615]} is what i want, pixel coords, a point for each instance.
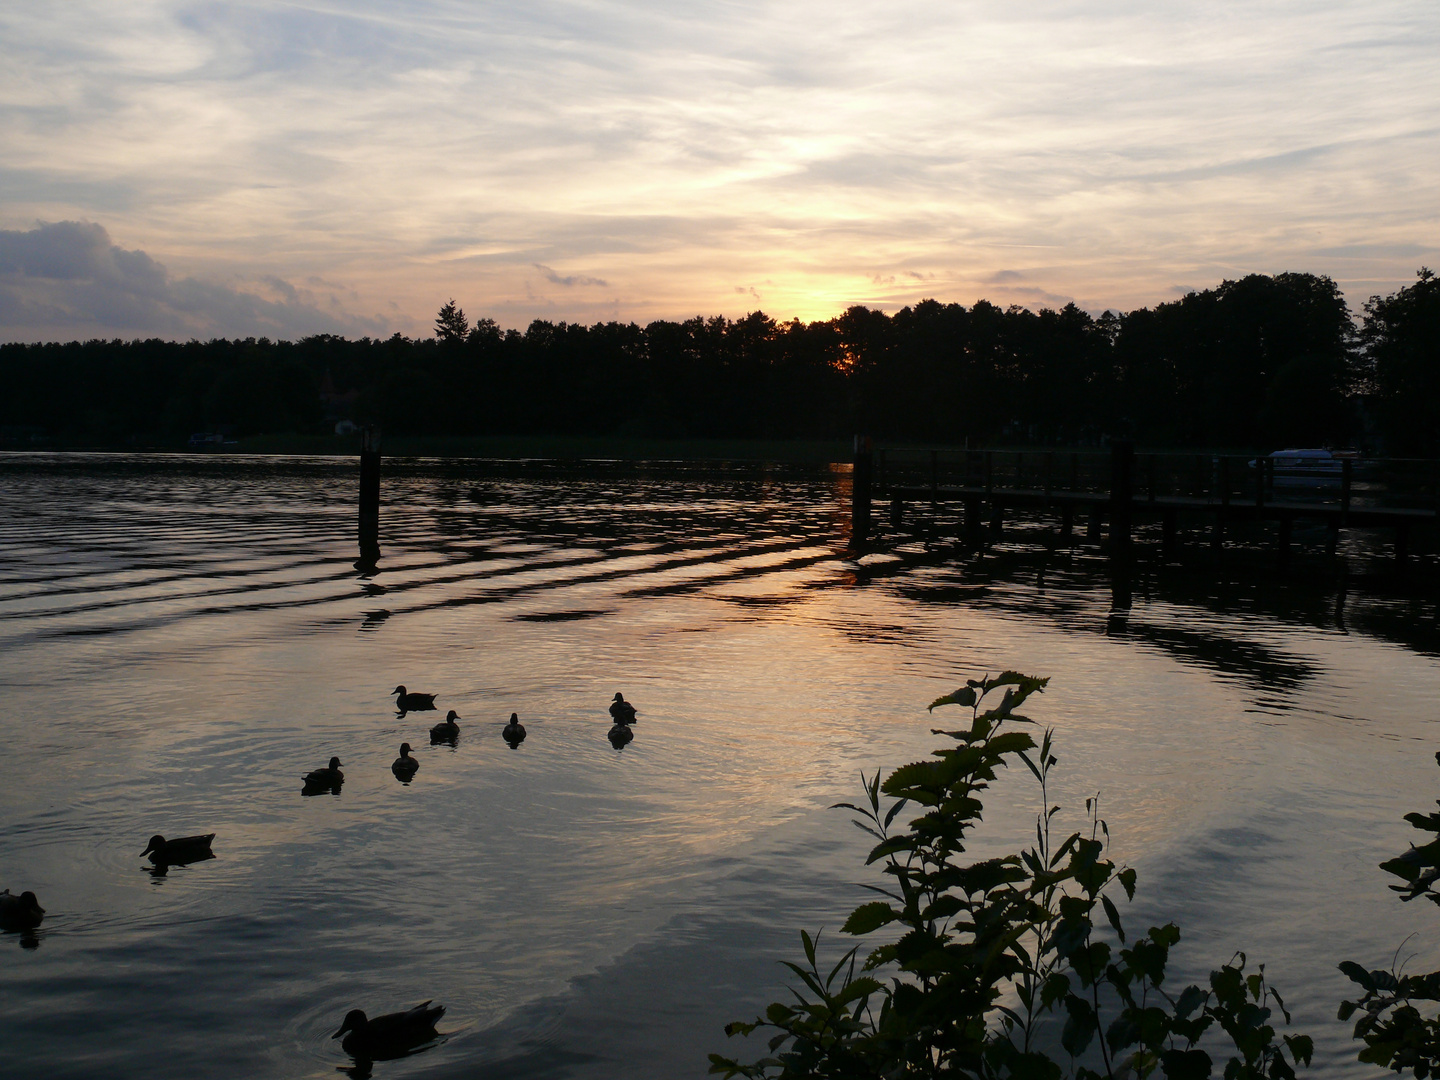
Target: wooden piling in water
{"type": "Point", "coordinates": [1122, 492]}
{"type": "Point", "coordinates": [861, 479]}
{"type": "Point", "coordinates": [369, 498]}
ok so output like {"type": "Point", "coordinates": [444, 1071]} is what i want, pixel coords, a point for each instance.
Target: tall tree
{"type": "Point", "coordinates": [1401, 338]}
{"type": "Point", "coordinates": [451, 324]}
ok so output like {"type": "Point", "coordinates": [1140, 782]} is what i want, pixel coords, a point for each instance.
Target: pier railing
{"type": "Point", "coordinates": [1120, 486]}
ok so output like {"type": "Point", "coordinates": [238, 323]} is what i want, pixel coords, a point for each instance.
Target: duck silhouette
{"type": "Point", "coordinates": [621, 711]}
{"type": "Point", "coordinates": [322, 780]}
{"type": "Point", "coordinates": [408, 702]}
{"type": "Point", "coordinates": [447, 730]}
{"type": "Point", "coordinates": [404, 766]}
{"type": "Point", "coordinates": [186, 849]}
{"type": "Point", "coordinates": [389, 1036]}
{"type": "Point", "coordinates": [21, 912]}
{"type": "Point", "coordinates": [514, 731]}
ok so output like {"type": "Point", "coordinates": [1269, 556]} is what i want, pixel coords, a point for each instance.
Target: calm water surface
{"type": "Point", "coordinates": [182, 638]}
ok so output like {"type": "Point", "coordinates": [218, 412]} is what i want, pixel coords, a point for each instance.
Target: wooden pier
{"type": "Point", "coordinates": [1113, 491]}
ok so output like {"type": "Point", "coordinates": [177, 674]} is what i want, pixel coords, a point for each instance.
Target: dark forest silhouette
{"type": "Point", "coordinates": [1258, 362]}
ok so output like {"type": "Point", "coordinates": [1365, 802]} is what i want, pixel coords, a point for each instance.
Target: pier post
{"type": "Point", "coordinates": [1122, 492]}
{"type": "Point", "coordinates": [369, 499]}
{"type": "Point", "coordinates": [974, 528]}
{"type": "Point", "coordinates": [860, 490]}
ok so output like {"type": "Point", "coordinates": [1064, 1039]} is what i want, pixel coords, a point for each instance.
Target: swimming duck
{"type": "Point", "coordinates": [619, 735]}
{"type": "Point", "coordinates": [407, 702]}
{"type": "Point", "coordinates": [331, 774]}
{"type": "Point", "coordinates": [447, 730]}
{"type": "Point", "coordinates": [186, 849]}
{"type": "Point", "coordinates": [21, 912]}
{"type": "Point", "coordinates": [514, 732]}
{"type": "Point", "coordinates": [404, 766]}
{"type": "Point", "coordinates": [621, 711]}
{"type": "Point", "coordinates": [326, 779]}
{"type": "Point", "coordinates": [389, 1035]}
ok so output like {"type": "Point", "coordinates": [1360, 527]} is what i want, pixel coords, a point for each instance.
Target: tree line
{"type": "Point", "coordinates": [1260, 362]}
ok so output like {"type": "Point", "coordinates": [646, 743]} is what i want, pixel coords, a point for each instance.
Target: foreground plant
{"type": "Point", "coordinates": [1397, 1035]}
{"type": "Point", "coordinates": [988, 951]}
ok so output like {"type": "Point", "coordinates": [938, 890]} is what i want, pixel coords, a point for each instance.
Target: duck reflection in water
{"type": "Point", "coordinates": [394, 1035]}
{"type": "Point", "coordinates": [326, 780]}
{"type": "Point", "coordinates": [620, 736]}
{"type": "Point", "coordinates": [514, 732]}
{"type": "Point", "coordinates": [404, 767]}
{"type": "Point", "coordinates": [447, 731]}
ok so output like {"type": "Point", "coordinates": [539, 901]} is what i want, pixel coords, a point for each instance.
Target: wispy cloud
{"type": "Point", "coordinates": [567, 280]}
{"type": "Point", "coordinates": [410, 150]}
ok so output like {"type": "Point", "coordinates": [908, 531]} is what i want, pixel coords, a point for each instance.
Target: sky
{"type": "Point", "coordinates": [193, 170]}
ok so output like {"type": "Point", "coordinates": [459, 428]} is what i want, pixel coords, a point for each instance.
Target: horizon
{"type": "Point", "coordinates": [281, 170]}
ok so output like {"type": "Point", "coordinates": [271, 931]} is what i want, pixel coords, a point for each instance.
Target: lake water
{"type": "Point", "coordinates": [182, 638]}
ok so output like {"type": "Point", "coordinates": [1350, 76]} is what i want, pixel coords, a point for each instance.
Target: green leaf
{"type": "Point", "coordinates": [964, 696]}
{"type": "Point", "coordinates": [1079, 1027]}
{"type": "Point", "coordinates": [869, 917]}
{"type": "Point", "coordinates": [1186, 1064]}
{"type": "Point", "coordinates": [859, 988]}
{"type": "Point", "coordinates": [1127, 879]}
{"type": "Point", "coordinates": [1302, 1048]}
{"type": "Point", "coordinates": [1357, 974]}
{"type": "Point", "coordinates": [1113, 916]}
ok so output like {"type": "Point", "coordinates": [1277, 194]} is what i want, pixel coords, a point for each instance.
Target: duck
{"type": "Point", "coordinates": [327, 779]}
{"type": "Point", "coordinates": [619, 735]}
{"type": "Point", "coordinates": [621, 711]}
{"type": "Point", "coordinates": [447, 730]}
{"type": "Point", "coordinates": [390, 1035]}
{"type": "Point", "coordinates": [21, 912]}
{"type": "Point", "coordinates": [514, 732]}
{"type": "Point", "coordinates": [404, 766]}
{"type": "Point", "coordinates": [331, 774]}
{"type": "Point", "coordinates": [408, 702]}
{"type": "Point", "coordinates": [185, 849]}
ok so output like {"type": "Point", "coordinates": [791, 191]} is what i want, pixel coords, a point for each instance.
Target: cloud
{"type": "Point", "coordinates": [391, 153]}
{"type": "Point", "coordinates": [1000, 277]}
{"type": "Point", "coordinates": [569, 279]}
{"type": "Point", "coordinates": [66, 278]}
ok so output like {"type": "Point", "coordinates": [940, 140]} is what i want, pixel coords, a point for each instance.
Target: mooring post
{"type": "Point", "coordinates": [860, 482]}
{"type": "Point", "coordinates": [1122, 460]}
{"type": "Point", "coordinates": [369, 498]}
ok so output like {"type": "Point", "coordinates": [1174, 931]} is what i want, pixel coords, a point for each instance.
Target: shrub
{"type": "Point", "coordinates": [1396, 1034]}
{"type": "Point", "coordinates": [987, 951]}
